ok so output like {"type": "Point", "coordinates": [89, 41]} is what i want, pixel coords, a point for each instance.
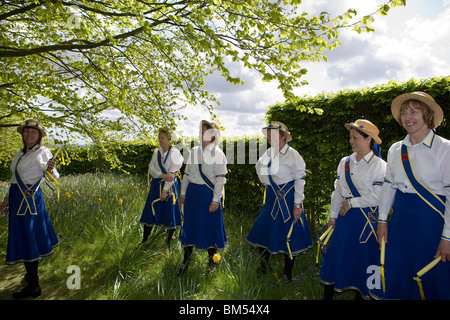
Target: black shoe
{"type": "Point", "coordinates": [27, 292]}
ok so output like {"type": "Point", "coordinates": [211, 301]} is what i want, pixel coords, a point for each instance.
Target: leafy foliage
{"type": "Point", "coordinates": [124, 68]}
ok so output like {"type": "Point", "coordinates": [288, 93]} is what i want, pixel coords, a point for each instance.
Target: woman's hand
{"type": "Point", "coordinates": [181, 201]}
{"type": "Point", "coordinates": [167, 177]}
{"type": "Point", "coordinates": [213, 207]}
{"type": "Point", "coordinates": [443, 250]}
{"type": "Point", "coordinates": [297, 212]}
{"type": "Point", "coordinates": [344, 208]}
{"type": "Point", "coordinates": [163, 195]}
{"type": "Point", "coordinates": [331, 223]}
{"type": "Point", "coordinates": [51, 165]}
{"type": "Point", "coordinates": [382, 232]}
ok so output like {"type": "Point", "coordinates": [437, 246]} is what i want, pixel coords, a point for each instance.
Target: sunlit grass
{"type": "Point", "coordinates": [97, 221]}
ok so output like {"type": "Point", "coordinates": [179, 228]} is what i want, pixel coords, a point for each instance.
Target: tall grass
{"type": "Point", "coordinates": [97, 221]}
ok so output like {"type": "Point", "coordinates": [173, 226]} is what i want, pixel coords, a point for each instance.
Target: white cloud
{"type": "Point", "coordinates": [409, 42]}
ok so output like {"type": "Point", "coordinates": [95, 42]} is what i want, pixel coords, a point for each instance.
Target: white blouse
{"type": "Point", "coordinates": [171, 160]}
{"type": "Point", "coordinates": [367, 176]}
{"type": "Point", "coordinates": [287, 165]}
{"type": "Point", "coordinates": [430, 161]}
{"type": "Point", "coordinates": [31, 165]}
{"type": "Point", "coordinates": [214, 165]}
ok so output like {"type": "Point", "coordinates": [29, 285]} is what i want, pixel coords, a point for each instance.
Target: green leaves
{"type": "Point", "coordinates": [99, 68]}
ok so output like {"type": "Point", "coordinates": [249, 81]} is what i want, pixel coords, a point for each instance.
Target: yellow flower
{"type": "Point", "coordinates": [99, 200]}
{"type": "Point", "coordinates": [67, 194]}
{"type": "Point", "coordinates": [216, 258]}
{"type": "Point", "coordinates": [136, 187]}
{"type": "Point", "coordinates": [120, 201]}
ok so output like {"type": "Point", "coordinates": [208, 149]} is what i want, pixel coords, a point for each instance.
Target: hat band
{"type": "Point", "coordinates": [278, 126]}
{"type": "Point", "coordinates": [354, 124]}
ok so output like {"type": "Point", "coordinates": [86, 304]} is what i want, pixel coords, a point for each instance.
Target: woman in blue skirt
{"type": "Point", "coordinates": [417, 188]}
{"type": "Point", "coordinates": [201, 193]}
{"type": "Point", "coordinates": [281, 226]}
{"type": "Point", "coordinates": [161, 207]}
{"type": "Point", "coordinates": [353, 246]}
{"type": "Point", "coordinates": [30, 233]}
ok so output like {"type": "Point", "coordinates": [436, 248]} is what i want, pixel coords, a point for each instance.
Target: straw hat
{"type": "Point", "coordinates": [214, 126]}
{"type": "Point", "coordinates": [33, 124]}
{"type": "Point", "coordinates": [278, 125]}
{"type": "Point", "coordinates": [367, 127]}
{"type": "Point", "coordinates": [171, 134]}
{"type": "Point", "coordinates": [423, 97]}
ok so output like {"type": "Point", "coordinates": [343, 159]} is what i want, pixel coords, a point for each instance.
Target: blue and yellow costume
{"type": "Point", "coordinates": [417, 188]}
{"type": "Point", "coordinates": [30, 232]}
{"type": "Point", "coordinates": [353, 246]}
{"type": "Point", "coordinates": [163, 213]}
{"type": "Point", "coordinates": [202, 188]}
{"type": "Point", "coordinates": [201, 228]}
{"type": "Point", "coordinates": [275, 230]}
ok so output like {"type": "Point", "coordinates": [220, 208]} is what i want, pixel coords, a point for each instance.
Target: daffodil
{"type": "Point", "coordinates": [216, 258]}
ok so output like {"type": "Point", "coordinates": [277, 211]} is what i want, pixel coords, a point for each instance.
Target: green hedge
{"type": "Point", "coordinates": [322, 139]}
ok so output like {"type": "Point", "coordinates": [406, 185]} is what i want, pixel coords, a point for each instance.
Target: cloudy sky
{"type": "Point", "coordinates": [410, 42]}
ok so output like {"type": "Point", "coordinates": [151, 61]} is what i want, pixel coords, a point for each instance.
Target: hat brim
{"type": "Point", "coordinates": [213, 125]}
{"type": "Point", "coordinates": [265, 129]}
{"type": "Point", "coordinates": [398, 101]}
{"type": "Point", "coordinates": [23, 126]}
{"type": "Point", "coordinates": [376, 138]}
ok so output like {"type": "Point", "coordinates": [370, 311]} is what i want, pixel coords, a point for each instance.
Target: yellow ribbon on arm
{"type": "Point", "coordinates": [424, 270]}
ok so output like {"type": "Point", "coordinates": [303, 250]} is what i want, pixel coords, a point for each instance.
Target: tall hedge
{"type": "Point", "coordinates": [322, 139]}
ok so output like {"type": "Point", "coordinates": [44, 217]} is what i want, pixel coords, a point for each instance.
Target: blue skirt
{"type": "Point", "coordinates": [30, 237]}
{"type": "Point", "coordinates": [201, 228]}
{"type": "Point", "coordinates": [272, 233]}
{"type": "Point", "coordinates": [414, 233]}
{"type": "Point", "coordinates": [167, 213]}
{"type": "Point", "coordinates": [353, 247]}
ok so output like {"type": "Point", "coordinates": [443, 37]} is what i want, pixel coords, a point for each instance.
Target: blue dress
{"type": "Point", "coordinates": [30, 236]}
{"type": "Point", "coordinates": [352, 249]}
{"type": "Point", "coordinates": [201, 228]}
{"type": "Point", "coordinates": [414, 233]}
{"type": "Point", "coordinates": [161, 213]}
{"type": "Point", "coordinates": [275, 229]}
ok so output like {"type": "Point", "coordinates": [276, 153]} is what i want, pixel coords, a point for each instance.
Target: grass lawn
{"type": "Point", "coordinates": [97, 221]}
